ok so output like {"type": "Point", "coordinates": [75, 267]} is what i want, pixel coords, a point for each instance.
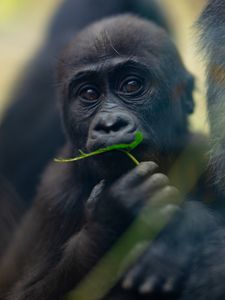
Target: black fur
{"type": "Point", "coordinates": [207, 280]}
{"type": "Point", "coordinates": [211, 25]}
{"type": "Point", "coordinates": [12, 209]}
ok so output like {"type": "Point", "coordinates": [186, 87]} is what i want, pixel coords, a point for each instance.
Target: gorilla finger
{"type": "Point", "coordinates": [95, 195]}
{"type": "Point", "coordinates": [149, 285]}
{"type": "Point", "coordinates": [168, 195]}
{"type": "Point", "coordinates": [169, 285]}
{"type": "Point", "coordinates": [137, 175]}
{"type": "Point", "coordinates": [169, 210]}
{"type": "Point", "coordinates": [155, 182]}
{"type": "Point", "coordinates": [132, 277]}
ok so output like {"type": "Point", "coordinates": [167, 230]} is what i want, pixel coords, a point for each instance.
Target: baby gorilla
{"type": "Point", "coordinates": [119, 76]}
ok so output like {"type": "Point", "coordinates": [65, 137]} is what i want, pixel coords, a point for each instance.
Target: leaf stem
{"type": "Point", "coordinates": [135, 161]}
{"type": "Point", "coordinates": [65, 160]}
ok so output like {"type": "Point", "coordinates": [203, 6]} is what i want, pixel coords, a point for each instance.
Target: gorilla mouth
{"type": "Point", "coordinates": [143, 151]}
{"type": "Point", "coordinates": [95, 144]}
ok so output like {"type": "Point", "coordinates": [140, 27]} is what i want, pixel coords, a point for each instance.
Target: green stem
{"type": "Point", "coordinates": [135, 161]}
{"type": "Point", "coordinates": [67, 160]}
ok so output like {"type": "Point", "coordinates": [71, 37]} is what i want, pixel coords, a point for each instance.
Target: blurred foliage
{"type": "Point", "coordinates": [23, 25]}
{"type": "Point", "coordinates": [182, 16]}
{"type": "Point", "coordinates": [9, 9]}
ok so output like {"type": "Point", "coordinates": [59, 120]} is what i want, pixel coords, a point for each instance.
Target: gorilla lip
{"type": "Point", "coordinates": [126, 148]}
{"type": "Point", "coordinates": [97, 144]}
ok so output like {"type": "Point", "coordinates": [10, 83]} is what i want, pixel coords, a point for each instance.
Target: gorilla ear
{"type": "Point", "coordinates": [188, 101]}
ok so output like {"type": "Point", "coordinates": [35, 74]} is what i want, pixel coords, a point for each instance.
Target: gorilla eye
{"type": "Point", "coordinates": [131, 86]}
{"type": "Point", "coordinates": [89, 93]}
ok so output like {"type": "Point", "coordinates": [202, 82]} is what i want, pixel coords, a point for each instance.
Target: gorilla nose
{"type": "Point", "coordinates": [113, 124]}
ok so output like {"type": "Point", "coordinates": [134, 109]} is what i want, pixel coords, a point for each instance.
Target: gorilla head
{"type": "Point", "coordinates": [121, 75]}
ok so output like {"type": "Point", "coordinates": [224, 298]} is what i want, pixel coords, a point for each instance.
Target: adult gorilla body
{"type": "Point", "coordinates": [114, 79]}
{"type": "Point", "coordinates": [211, 261]}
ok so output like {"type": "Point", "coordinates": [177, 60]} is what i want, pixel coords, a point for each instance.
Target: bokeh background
{"type": "Point", "coordinates": [23, 27]}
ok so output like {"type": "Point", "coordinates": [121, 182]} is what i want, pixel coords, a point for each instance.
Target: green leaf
{"type": "Point", "coordinates": [126, 148]}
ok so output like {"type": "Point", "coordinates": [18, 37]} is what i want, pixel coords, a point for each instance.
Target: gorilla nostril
{"type": "Point", "coordinates": [119, 125]}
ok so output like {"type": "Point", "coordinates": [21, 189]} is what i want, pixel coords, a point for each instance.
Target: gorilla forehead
{"type": "Point", "coordinates": [124, 35]}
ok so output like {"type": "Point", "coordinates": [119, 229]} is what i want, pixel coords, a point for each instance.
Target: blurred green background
{"type": "Point", "coordinates": [23, 26]}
